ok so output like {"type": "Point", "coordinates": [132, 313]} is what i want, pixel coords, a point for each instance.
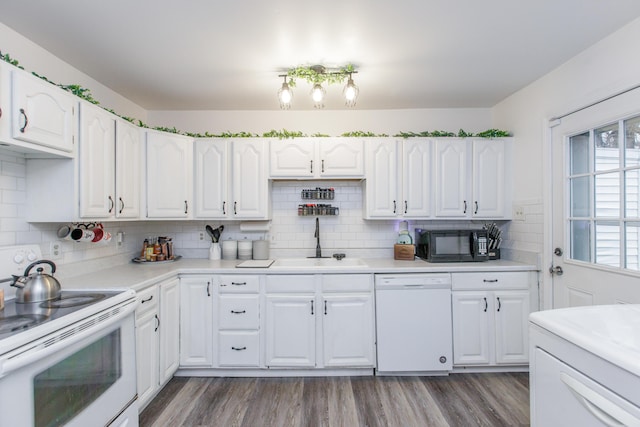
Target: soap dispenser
{"type": "Point", "coordinates": [404, 238]}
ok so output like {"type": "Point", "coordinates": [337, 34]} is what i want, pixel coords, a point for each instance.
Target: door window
{"type": "Point", "coordinates": [604, 195]}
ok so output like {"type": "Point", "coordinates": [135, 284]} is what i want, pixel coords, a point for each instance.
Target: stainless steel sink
{"type": "Point", "coordinates": [319, 262]}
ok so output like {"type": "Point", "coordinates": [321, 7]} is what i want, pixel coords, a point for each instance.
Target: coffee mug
{"type": "Point", "coordinates": [80, 235]}
{"type": "Point", "coordinates": [64, 232]}
{"type": "Point", "coordinates": [100, 234]}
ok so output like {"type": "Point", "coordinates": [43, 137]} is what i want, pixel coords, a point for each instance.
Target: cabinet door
{"type": "Point", "coordinates": [97, 162]}
{"type": "Point", "coordinates": [169, 175]}
{"type": "Point", "coordinates": [211, 179]}
{"type": "Point", "coordinates": [512, 327]}
{"type": "Point", "coordinates": [128, 170]}
{"type": "Point", "coordinates": [489, 178]}
{"type": "Point", "coordinates": [416, 178]}
{"type": "Point", "coordinates": [147, 356]}
{"type": "Point", "coordinates": [250, 182]}
{"type": "Point", "coordinates": [341, 158]}
{"type": "Point", "coordinates": [41, 113]}
{"type": "Point", "coordinates": [472, 317]}
{"type": "Point", "coordinates": [169, 329]}
{"type": "Point", "coordinates": [292, 159]}
{"type": "Point", "coordinates": [382, 198]}
{"type": "Point", "coordinates": [290, 330]}
{"type": "Point", "coordinates": [451, 168]}
{"type": "Point", "coordinates": [348, 333]}
{"type": "Point", "coordinates": [196, 321]}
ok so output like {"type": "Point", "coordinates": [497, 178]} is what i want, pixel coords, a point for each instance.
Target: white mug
{"type": "Point", "coordinates": [80, 235]}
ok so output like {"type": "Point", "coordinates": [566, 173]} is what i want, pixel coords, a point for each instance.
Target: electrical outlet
{"type": "Point", "coordinates": [55, 250]}
{"type": "Point", "coordinates": [201, 235]}
{"type": "Point", "coordinates": [518, 213]}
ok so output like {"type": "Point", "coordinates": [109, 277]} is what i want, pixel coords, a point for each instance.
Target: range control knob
{"type": "Point", "coordinates": [443, 359]}
{"type": "Point", "coordinates": [31, 256]}
{"type": "Point", "coordinates": [18, 258]}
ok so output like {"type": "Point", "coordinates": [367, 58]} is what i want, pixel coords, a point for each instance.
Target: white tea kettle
{"type": "Point", "coordinates": [37, 287]}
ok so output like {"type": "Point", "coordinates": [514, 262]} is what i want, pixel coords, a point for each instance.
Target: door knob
{"type": "Point", "coordinates": [556, 270]}
{"type": "Point", "coordinates": [558, 251]}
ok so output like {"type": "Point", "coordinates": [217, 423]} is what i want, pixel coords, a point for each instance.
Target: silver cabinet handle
{"type": "Point", "coordinates": [476, 211]}
{"type": "Point", "coordinates": [112, 204]}
{"type": "Point", "coordinates": [394, 206]}
{"type": "Point", "coordinates": [121, 204]}
{"type": "Point", "coordinates": [311, 166]}
{"type": "Point", "coordinates": [322, 166]}
{"type": "Point", "coordinates": [208, 291]}
{"type": "Point", "coordinates": [325, 307]}
{"type": "Point", "coordinates": [312, 307]}
{"type": "Point", "coordinates": [465, 207]}
{"type": "Point", "coordinates": [146, 300]}
{"type": "Point", "coordinates": [26, 120]}
{"type": "Point", "coordinates": [499, 304]}
{"type": "Point", "coordinates": [238, 348]}
{"type": "Point", "coordinates": [157, 323]}
{"type": "Point", "coordinates": [186, 207]}
{"type": "Point", "coordinates": [238, 312]}
{"type": "Point", "coordinates": [239, 283]}
{"type": "Point", "coordinates": [486, 305]}
{"type": "Point", "coordinates": [490, 280]}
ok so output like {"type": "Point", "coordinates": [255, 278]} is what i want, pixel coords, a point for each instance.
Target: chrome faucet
{"type": "Point", "coordinates": [317, 236]}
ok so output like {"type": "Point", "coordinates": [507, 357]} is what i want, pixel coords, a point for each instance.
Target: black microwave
{"type": "Point", "coordinates": [452, 245]}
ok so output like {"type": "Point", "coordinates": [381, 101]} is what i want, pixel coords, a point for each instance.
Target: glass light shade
{"type": "Point", "coordinates": [350, 93]}
{"type": "Point", "coordinates": [317, 94]}
{"type": "Point", "coordinates": [285, 95]}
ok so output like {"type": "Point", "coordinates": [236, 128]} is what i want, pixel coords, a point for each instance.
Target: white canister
{"type": "Point", "coordinates": [229, 249]}
{"type": "Point", "coordinates": [260, 249]}
{"type": "Point", "coordinates": [245, 248]}
{"type": "Point", "coordinates": [214, 251]}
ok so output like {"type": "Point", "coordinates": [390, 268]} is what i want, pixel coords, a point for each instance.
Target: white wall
{"type": "Point", "coordinates": [602, 70]}
{"type": "Point", "coordinates": [35, 59]}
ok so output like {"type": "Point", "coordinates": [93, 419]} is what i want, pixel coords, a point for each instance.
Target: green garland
{"type": "Point", "coordinates": [302, 72]}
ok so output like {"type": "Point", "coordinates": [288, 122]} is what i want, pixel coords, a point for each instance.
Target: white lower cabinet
{"type": "Point", "coordinates": [490, 318]}
{"type": "Point", "coordinates": [157, 346]}
{"type": "Point", "coordinates": [320, 321]}
{"type": "Point", "coordinates": [196, 321]}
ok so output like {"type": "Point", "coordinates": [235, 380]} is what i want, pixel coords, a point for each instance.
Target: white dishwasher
{"type": "Point", "coordinates": [413, 323]}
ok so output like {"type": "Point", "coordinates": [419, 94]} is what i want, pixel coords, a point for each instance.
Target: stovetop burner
{"type": "Point", "coordinates": [66, 301]}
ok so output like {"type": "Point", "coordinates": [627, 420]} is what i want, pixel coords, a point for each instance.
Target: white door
{"type": "Point", "coordinates": [196, 321]}
{"type": "Point", "coordinates": [97, 162]}
{"type": "Point", "coordinates": [292, 159]}
{"type": "Point", "coordinates": [511, 312]}
{"type": "Point", "coordinates": [452, 176]}
{"type": "Point", "coordinates": [128, 170]}
{"type": "Point", "coordinates": [596, 204]}
{"type": "Point", "coordinates": [290, 330]}
{"type": "Point", "coordinates": [416, 178]}
{"type": "Point", "coordinates": [472, 320]}
{"type": "Point", "coordinates": [348, 332]}
{"type": "Point", "coordinates": [147, 356]}
{"type": "Point", "coordinates": [211, 179]}
{"type": "Point", "coordinates": [42, 114]}
{"type": "Point", "coordinates": [169, 329]}
{"type": "Point", "coordinates": [169, 175]}
{"type": "Point", "coordinates": [250, 183]}
{"type": "Point", "coordinates": [489, 178]}
{"type": "Point", "coordinates": [382, 192]}
{"type": "Point", "coordinates": [341, 158]}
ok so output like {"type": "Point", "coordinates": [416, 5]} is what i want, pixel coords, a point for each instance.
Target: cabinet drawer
{"type": "Point", "coordinates": [297, 283]}
{"type": "Point", "coordinates": [238, 312]}
{"type": "Point", "coordinates": [347, 283]}
{"type": "Point", "coordinates": [239, 284]}
{"type": "Point", "coordinates": [147, 300]}
{"type": "Point", "coordinates": [490, 280]}
{"type": "Point", "coordinates": [238, 348]}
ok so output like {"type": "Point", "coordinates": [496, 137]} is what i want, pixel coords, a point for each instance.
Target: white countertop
{"type": "Point", "coordinates": [140, 276]}
{"type": "Point", "coordinates": [611, 332]}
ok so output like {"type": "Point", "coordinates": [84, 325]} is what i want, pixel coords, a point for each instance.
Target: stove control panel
{"type": "Point", "coordinates": [13, 261]}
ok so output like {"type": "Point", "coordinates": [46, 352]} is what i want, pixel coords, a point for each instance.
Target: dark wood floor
{"type": "Point", "coordinates": [459, 400]}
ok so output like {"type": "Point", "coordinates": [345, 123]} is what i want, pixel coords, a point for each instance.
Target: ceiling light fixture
{"type": "Point", "coordinates": [285, 95]}
{"type": "Point", "coordinates": [317, 75]}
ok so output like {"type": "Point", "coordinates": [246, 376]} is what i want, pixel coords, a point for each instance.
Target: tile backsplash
{"type": "Point", "coordinates": [290, 235]}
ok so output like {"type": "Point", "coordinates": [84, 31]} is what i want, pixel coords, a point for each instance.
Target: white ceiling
{"type": "Point", "coordinates": [215, 55]}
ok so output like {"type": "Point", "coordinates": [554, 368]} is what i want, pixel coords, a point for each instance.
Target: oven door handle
{"type": "Point", "coordinates": [38, 350]}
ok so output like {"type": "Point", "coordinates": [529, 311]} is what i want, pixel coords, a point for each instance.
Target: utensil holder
{"type": "Point", "coordinates": [214, 251]}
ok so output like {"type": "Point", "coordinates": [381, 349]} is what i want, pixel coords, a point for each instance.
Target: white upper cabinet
{"type": "Point", "coordinates": [211, 178]}
{"type": "Point", "coordinates": [315, 158]}
{"type": "Point", "coordinates": [129, 149]}
{"type": "Point", "coordinates": [169, 175]}
{"type": "Point", "coordinates": [250, 183]}
{"type": "Point", "coordinates": [41, 113]}
{"type": "Point", "coordinates": [489, 178]}
{"type": "Point", "coordinates": [472, 178]}
{"type": "Point", "coordinates": [97, 162]}
{"type": "Point", "coordinates": [398, 178]}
